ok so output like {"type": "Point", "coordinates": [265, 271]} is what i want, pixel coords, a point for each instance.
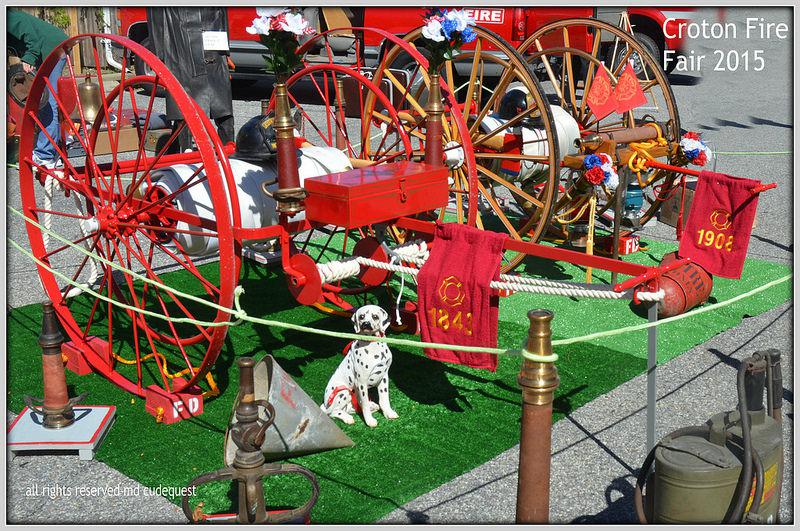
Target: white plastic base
{"type": "Point", "coordinates": [91, 424]}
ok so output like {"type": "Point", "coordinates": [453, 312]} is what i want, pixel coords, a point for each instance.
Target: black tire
{"type": "Point", "coordinates": [141, 69]}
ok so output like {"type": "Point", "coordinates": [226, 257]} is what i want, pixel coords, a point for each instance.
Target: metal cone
{"type": "Point", "coordinates": [300, 426]}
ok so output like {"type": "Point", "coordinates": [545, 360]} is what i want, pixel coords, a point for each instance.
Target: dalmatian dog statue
{"type": "Point", "coordinates": [365, 365]}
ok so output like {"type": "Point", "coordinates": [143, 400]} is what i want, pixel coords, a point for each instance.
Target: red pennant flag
{"type": "Point", "coordinates": [601, 97]}
{"type": "Point", "coordinates": [629, 93]}
{"type": "Point", "coordinates": [717, 232]}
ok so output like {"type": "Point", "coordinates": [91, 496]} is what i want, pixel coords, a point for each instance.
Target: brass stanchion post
{"type": "Point", "coordinates": [434, 151]}
{"type": "Point", "coordinates": [539, 380]}
{"type": "Point", "coordinates": [290, 194]}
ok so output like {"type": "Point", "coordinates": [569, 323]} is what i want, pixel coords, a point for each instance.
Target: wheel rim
{"type": "Point", "coordinates": [555, 43]}
{"type": "Point", "coordinates": [119, 214]}
{"type": "Point", "coordinates": [502, 199]}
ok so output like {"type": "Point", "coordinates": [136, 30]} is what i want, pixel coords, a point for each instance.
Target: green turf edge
{"type": "Point", "coordinates": [442, 406]}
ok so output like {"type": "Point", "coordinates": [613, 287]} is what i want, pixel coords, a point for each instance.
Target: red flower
{"type": "Point", "coordinates": [691, 135]}
{"type": "Point", "coordinates": [275, 23]}
{"type": "Point", "coordinates": [595, 175]}
{"type": "Point", "coordinates": [701, 159]}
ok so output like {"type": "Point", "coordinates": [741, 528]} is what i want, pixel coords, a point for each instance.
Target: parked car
{"type": "Point", "coordinates": [514, 24]}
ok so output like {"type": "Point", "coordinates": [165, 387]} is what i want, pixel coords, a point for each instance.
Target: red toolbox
{"type": "Point", "coordinates": [375, 194]}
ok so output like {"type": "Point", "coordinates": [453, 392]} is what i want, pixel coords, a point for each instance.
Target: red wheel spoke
{"type": "Point", "coordinates": [142, 132]}
{"type": "Point", "coordinates": [188, 264]}
{"type": "Point", "coordinates": [172, 195]}
{"type": "Point", "coordinates": [154, 276]}
{"type": "Point", "coordinates": [47, 255]}
{"type": "Point", "coordinates": [136, 318]}
{"type": "Point", "coordinates": [112, 140]}
{"type": "Point", "coordinates": [120, 98]}
{"type": "Point", "coordinates": [63, 214]}
{"type": "Point", "coordinates": [90, 319]}
{"type": "Point", "coordinates": [69, 286]}
{"type": "Point", "coordinates": [173, 214]}
{"type": "Point", "coordinates": [87, 148]}
{"type": "Point", "coordinates": [64, 158]}
{"type": "Point", "coordinates": [341, 120]}
{"type": "Point", "coordinates": [69, 184]}
{"type": "Point", "coordinates": [310, 120]}
{"type": "Point", "coordinates": [140, 322]}
{"type": "Point", "coordinates": [175, 334]}
{"type": "Point", "coordinates": [168, 229]}
{"type": "Point", "coordinates": [146, 174]}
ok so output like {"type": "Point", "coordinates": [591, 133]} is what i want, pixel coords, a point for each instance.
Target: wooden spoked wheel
{"type": "Point", "coordinates": [558, 54]}
{"type": "Point", "coordinates": [328, 101]}
{"type": "Point", "coordinates": [516, 174]}
{"type": "Point", "coordinates": [110, 200]}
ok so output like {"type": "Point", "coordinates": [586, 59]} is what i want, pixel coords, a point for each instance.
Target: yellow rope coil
{"type": "Point", "coordinates": [162, 362]}
{"type": "Point", "coordinates": [578, 216]}
{"type": "Point", "coordinates": [641, 156]}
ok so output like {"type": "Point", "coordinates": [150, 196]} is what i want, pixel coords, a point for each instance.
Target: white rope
{"type": "Point", "coordinates": [414, 252]}
{"type": "Point", "coordinates": [47, 221]}
{"type": "Point", "coordinates": [94, 272]}
{"type": "Point", "coordinates": [340, 269]}
{"type": "Point", "coordinates": [49, 190]}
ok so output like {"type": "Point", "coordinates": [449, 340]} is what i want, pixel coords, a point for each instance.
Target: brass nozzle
{"type": "Point", "coordinates": [284, 125]}
{"type": "Point", "coordinates": [539, 380]}
{"type": "Point", "coordinates": [539, 332]}
{"type": "Point", "coordinates": [434, 107]}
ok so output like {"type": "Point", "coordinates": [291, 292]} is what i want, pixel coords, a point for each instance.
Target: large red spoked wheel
{"type": "Point", "coordinates": [108, 200]}
{"type": "Point", "coordinates": [328, 102]}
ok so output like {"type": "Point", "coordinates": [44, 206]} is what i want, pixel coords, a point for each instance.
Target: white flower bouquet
{"type": "Point", "coordinates": [445, 32]}
{"type": "Point", "coordinates": [278, 28]}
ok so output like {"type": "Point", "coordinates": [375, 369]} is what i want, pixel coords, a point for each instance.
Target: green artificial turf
{"type": "Point", "coordinates": [451, 418]}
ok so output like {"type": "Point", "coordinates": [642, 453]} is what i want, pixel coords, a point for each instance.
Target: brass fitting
{"type": "Point", "coordinates": [434, 151]}
{"type": "Point", "coordinates": [539, 380]}
{"type": "Point", "coordinates": [290, 195]}
{"type": "Point", "coordinates": [589, 143]}
{"type": "Point", "coordinates": [284, 125]}
{"type": "Point", "coordinates": [434, 108]}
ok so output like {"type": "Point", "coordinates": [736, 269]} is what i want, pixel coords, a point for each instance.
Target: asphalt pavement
{"type": "Point", "coordinates": [599, 447]}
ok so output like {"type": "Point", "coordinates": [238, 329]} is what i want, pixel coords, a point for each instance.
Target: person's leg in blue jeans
{"type": "Point", "coordinates": [48, 115]}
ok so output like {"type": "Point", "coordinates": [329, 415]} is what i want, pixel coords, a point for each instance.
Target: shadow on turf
{"type": "Point", "coordinates": [428, 382]}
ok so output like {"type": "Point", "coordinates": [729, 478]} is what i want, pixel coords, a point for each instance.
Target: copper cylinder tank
{"type": "Point", "coordinates": [684, 288]}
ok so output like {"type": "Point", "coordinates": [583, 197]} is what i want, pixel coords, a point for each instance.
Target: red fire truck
{"type": "Point", "coordinates": [514, 24]}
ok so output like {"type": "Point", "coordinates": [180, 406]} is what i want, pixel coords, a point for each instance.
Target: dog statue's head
{"type": "Point", "coordinates": [370, 320]}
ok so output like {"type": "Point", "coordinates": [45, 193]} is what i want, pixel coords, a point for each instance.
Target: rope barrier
{"type": "Point", "coordinates": [765, 153]}
{"type": "Point", "coordinates": [241, 315]}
